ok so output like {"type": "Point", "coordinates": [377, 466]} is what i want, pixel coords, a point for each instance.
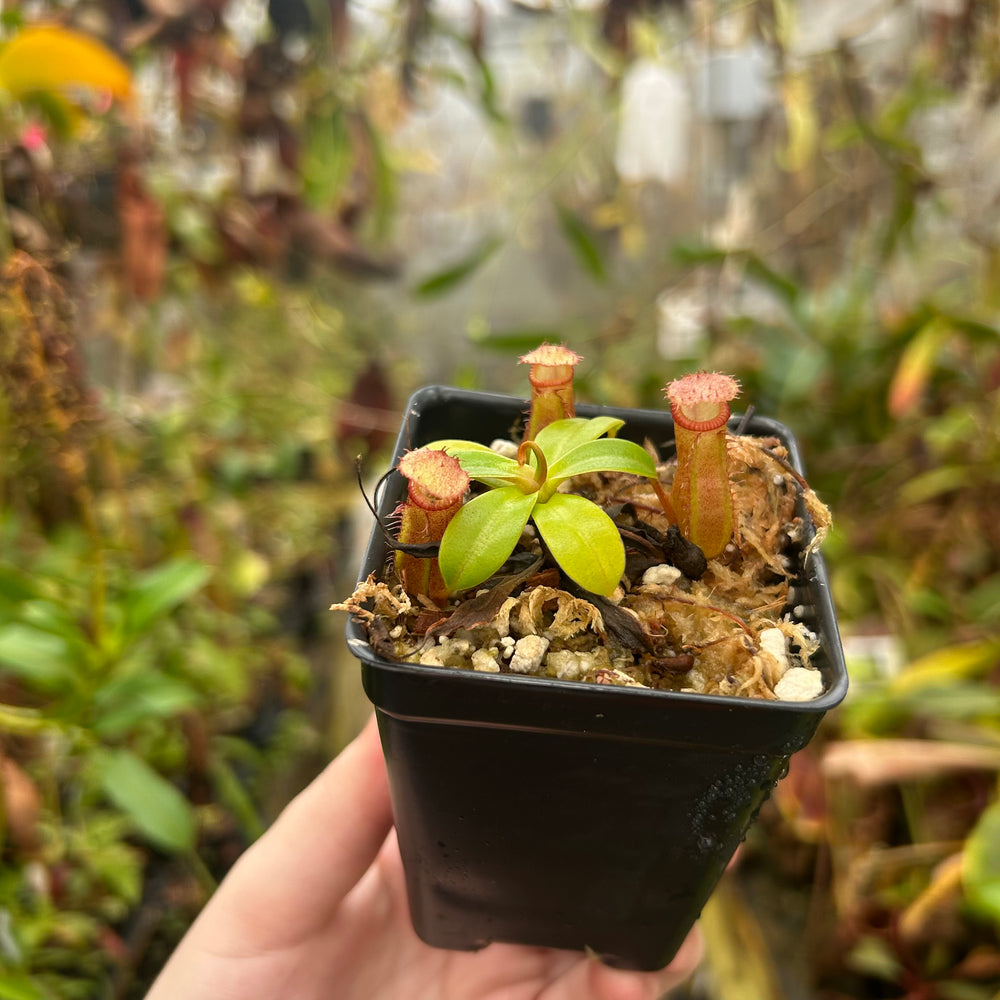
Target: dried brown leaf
{"type": "Point", "coordinates": [871, 763]}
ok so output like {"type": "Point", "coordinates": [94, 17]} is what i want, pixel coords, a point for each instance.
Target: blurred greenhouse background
{"type": "Point", "coordinates": [237, 233]}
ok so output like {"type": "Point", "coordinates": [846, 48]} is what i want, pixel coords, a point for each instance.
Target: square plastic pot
{"type": "Point", "coordinates": [568, 815]}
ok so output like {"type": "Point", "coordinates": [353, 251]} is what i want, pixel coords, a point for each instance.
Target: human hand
{"type": "Point", "coordinates": [316, 910]}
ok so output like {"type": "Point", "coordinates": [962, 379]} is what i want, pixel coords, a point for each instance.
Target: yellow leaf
{"type": "Point", "coordinates": [799, 103]}
{"type": "Point", "coordinates": [915, 367]}
{"type": "Point", "coordinates": [936, 906]}
{"type": "Point", "coordinates": [743, 964]}
{"type": "Point", "coordinates": [47, 57]}
{"type": "Point", "coordinates": [946, 665]}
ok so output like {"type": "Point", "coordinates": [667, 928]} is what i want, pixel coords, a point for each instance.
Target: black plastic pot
{"type": "Point", "coordinates": [569, 815]}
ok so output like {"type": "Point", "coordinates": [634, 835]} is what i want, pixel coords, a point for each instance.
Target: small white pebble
{"type": "Point", "coordinates": [37, 878]}
{"type": "Point", "coordinates": [774, 655]}
{"type": "Point", "coordinates": [503, 447]}
{"type": "Point", "coordinates": [485, 661]}
{"type": "Point", "coordinates": [774, 641]}
{"type": "Point", "coordinates": [799, 611]}
{"type": "Point", "coordinates": [433, 657]}
{"type": "Point", "coordinates": [528, 654]}
{"type": "Point", "coordinates": [730, 548]}
{"type": "Point", "coordinates": [565, 664]}
{"type": "Point", "coordinates": [661, 576]}
{"type": "Point", "coordinates": [396, 633]}
{"type": "Point", "coordinates": [799, 684]}
{"type": "Point", "coordinates": [778, 480]}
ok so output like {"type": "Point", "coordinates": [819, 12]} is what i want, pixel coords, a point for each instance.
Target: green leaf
{"type": "Point", "coordinates": [983, 601]}
{"type": "Point", "coordinates": [516, 340]}
{"type": "Point", "coordinates": [934, 483]}
{"type": "Point", "coordinates": [583, 540]}
{"type": "Point", "coordinates": [582, 242]}
{"type": "Point", "coordinates": [18, 986]}
{"type": "Point", "coordinates": [781, 287]}
{"type": "Point", "coordinates": [692, 254]}
{"type": "Point", "coordinates": [40, 658]}
{"type": "Point", "coordinates": [159, 811]}
{"type": "Point", "coordinates": [561, 436]}
{"type": "Point", "coordinates": [445, 280]}
{"type": "Point", "coordinates": [486, 466]}
{"type": "Point", "coordinates": [15, 586]}
{"type": "Point", "coordinates": [162, 589]}
{"type": "Point", "coordinates": [233, 794]}
{"type": "Point", "coordinates": [56, 619]}
{"type": "Point", "coordinates": [329, 156]}
{"type": "Point", "coordinates": [482, 535]}
{"type": "Point", "coordinates": [610, 455]}
{"type": "Point", "coordinates": [61, 117]}
{"type": "Point", "coordinates": [977, 332]}
{"type": "Point", "coordinates": [481, 463]}
{"type": "Point", "coordinates": [383, 178]}
{"type": "Point", "coordinates": [121, 704]}
{"type": "Point", "coordinates": [21, 721]}
{"type": "Point", "coordinates": [451, 445]}
{"type": "Point", "coordinates": [194, 226]}
{"type": "Point", "coordinates": [488, 89]}
{"type": "Point", "coordinates": [695, 254]}
{"type": "Point", "coordinates": [875, 957]}
{"type": "Point", "coordinates": [981, 864]}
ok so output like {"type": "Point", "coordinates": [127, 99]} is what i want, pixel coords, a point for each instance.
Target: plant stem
{"type": "Point", "coordinates": [205, 878]}
{"type": "Point", "coordinates": [6, 240]}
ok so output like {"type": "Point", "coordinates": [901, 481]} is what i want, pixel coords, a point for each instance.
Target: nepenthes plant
{"type": "Point", "coordinates": [580, 554]}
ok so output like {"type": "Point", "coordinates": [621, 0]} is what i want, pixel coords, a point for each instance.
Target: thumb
{"type": "Point", "coordinates": [288, 885]}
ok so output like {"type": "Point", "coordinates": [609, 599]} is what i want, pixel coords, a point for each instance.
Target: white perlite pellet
{"type": "Point", "coordinates": [566, 664]}
{"type": "Point", "coordinates": [799, 684]}
{"type": "Point", "coordinates": [774, 655]}
{"type": "Point", "coordinates": [485, 661]}
{"type": "Point", "coordinates": [528, 654]}
{"type": "Point", "coordinates": [502, 447]}
{"type": "Point", "coordinates": [661, 576]}
{"type": "Point", "coordinates": [448, 653]}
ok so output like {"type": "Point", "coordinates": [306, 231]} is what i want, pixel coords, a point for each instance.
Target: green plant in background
{"type": "Point", "coordinates": [41, 67]}
{"type": "Point", "coordinates": [129, 710]}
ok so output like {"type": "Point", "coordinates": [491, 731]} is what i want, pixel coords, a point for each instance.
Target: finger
{"type": "Point", "coordinates": [289, 883]}
{"type": "Point", "coordinates": [606, 983]}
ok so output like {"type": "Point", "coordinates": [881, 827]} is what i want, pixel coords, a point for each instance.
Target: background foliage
{"type": "Point", "coordinates": [219, 286]}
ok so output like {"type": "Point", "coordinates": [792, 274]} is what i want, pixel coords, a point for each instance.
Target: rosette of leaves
{"type": "Point", "coordinates": [581, 537]}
